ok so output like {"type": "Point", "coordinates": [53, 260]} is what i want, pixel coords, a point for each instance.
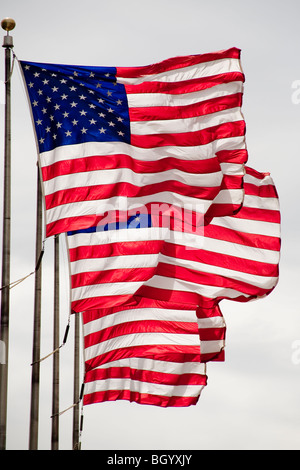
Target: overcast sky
{"type": "Point", "coordinates": [252, 399]}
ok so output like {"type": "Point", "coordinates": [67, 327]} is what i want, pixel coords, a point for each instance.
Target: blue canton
{"type": "Point", "coordinates": [76, 104]}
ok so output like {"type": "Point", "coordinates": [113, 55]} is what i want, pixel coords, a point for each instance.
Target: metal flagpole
{"type": "Point", "coordinates": [76, 384]}
{"type": "Point", "coordinates": [7, 24]}
{"type": "Point", "coordinates": [35, 373]}
{"type": "Point", "coordinates": [55, 387]}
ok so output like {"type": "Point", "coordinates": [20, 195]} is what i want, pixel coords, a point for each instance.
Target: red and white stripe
{"type": "Point", "coordinates": [145, 353]}
{"type": "Point", "coordinates": [234, 257]}
{"type": "Point", "coordinates": [187, 145]}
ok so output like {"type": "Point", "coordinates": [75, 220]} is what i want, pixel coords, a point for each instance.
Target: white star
{"type": "Point", "coordinates": [39, 122]}
{"type": "Point", "coordinates": [101, 115]}
{"type": "Point", "coordinates": [102, 131]}
{"type": "Point", "coordinates": [74, 104]}
{"type": "Point", "coordinates": [92, 106]}
{"type": "Point", "coordinates": [45, 82]}
{"type": "Point", "coordinates": [100, 100]}
{"type": "Point", "coordinates": [110, 110]}
{"type": "Point", "coordinates": [48, 99]}
{"type": "Point", "coordinates": [83, 130]}
{"type": "Point", "coordinates": [82, 97]}
{"type": "Point", "coordinates": [57, 106]}
{"type": "Point", "coordinates": [92, 75]}
{"type": "Point", "coordinates": [73, 88]}
{"type": "Point", "coordinates": [64, 96]}
{"type": "Point", "coordinates": [36, 74]}
{"type": "Point", "coordinates": [68, 133]}
{"type": "Point", "coordinates": [42, 140]}
{"type": "Point", "coordinates": [121, 133]}
{"type": "Point", "coordinates": [30, 85]}
{"type": "Point", "coordinates": [120, 119]}
{"type": "Point", "coordinates": [48, 129]}
{"type": "Point", "coordinates": [35, 103]}
{"type": "Point", "coordinates": [58, 125]}
{"type": "Point", "coordinates": [74, 122]}
{"type": "Point", "coordinates": [44, 111]}
{"type": "Point", "coordinates": [109, 93]}
{"type": "Point", "coordinates": [83, 112]}
{"type": "Point", "coordinates": [63, 80]}
{"type": "Point", "coordinates": [54, 89]}
{"type": "Point", "coordinates": [40, 92]}
{"type": "Point", "coordinates": [54, 136]}
{"type": "Point", "coordinates": [119, 102]}
{"type": "Point", "coordinates": [92, 121]}
{"type": "Point", "coordinates": [65, 114]}
{"type": "Point", "coordinates": [111, 124]}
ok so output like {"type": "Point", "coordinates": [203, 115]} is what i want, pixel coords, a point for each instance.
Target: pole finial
{"type": "Point", "coordinates": [8, 24]}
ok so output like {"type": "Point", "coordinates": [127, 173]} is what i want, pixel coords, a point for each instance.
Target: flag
{"type": "Point", "coordinates": [234, 257]}
{"type": "Point", "coordinates": [171, 132]}
{"type": "Point", "coordinates": [148, 353]}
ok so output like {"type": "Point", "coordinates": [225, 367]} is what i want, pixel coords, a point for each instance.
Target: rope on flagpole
{"type": "Point", "coordinates": [15, 283]}
{"type": "Point", "coordinates": [74, 404]}
{"type": "Point", "coordinates": [57, 349]}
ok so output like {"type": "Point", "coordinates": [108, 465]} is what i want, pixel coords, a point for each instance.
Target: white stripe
{"type": "Point", "coordinates": [122, 203]}
{"type": "Point", "coordinates": [104, 177]}
{"type": "Point", "coordinates": [159, 282]}
{"type": "Point", "coordinates": [211, 322]}
{"type": "Point", "coordinates": [148, 388]}
{"type": "Point", "coordinates": [114, 262]}
{"type": "Point", "coordinates": [88, 149]}
{"type": "Point", "coordinates": [263, 282]}
{"type": "Point", "coordinates": [139, 100]}
{"type": "Point", "coordinates": [141, 339]}
{"type": "Point", "coordinates": [205, 69]}
{"type": "Point", "coordinates": [208, 347]}
{"type": "Point", "coordinates": [193, 124]}
{"type": "Point", "coordinates": [165, 367]}
{"type": "Point", "coordinates": [139, 314]}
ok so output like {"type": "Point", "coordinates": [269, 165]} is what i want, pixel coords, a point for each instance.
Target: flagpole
{"type": "Point", "coordinates": [76, 384]}
{"type": "Point", "coordinates": [55, 387]}
{"type": "Point", "coordinates": [7, 24]}
{"type": "Point", "coordinates": [35, 373]}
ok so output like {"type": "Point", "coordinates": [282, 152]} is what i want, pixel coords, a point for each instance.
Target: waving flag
{"type": "Point", "coordinates": [172, 133]}
{"type": "Point", "coordinates": [148, 353]}
{"type": "Point", "coordinates": [238, 260]}
{"type": "Point", "coordinates": [234, 257]}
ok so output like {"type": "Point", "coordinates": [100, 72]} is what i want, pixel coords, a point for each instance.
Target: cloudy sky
{"type": "Point", "coordinates": [252, 399]}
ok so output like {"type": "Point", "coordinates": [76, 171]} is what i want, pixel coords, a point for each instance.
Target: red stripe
{"type": "Point", "coordinates": [176, 63]}
{"type": "Point", "coordinates": [202, 278]}
{"type": "Point", "coordinates": [144, 326]}
{"type": "Point", "coordinates": [186, 139]}
{"type": "Point", "coordinates": [185, 86]}
{"type": "Point", "coordinates": [141, 375]}
{"type": "Point", "coordinates": [267, 190]}
{"type": "Point", "coordinates": [163, 352]}
{"type": "Point", "coordinates": [111, 276]}
{"type": "Point", "coordinates": [219, 259]}
{"type": "Point", "coordinates": [94, 163]}
{"type": "Point", "coordinates": [242, 238]}
{"type": "Point", "coordinates": [95, 193]}
{"type": "Point", "coordinates": [141, 398]}
{"type": "Point", "coordinates": [115, 249]}
{"type": "Point", "coordinates": [263, 215]}
{"type": "Point", "coordinates": [153, 113]}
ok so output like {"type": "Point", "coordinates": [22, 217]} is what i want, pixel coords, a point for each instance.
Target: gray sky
{"type": "Point", "coordinates": [252, 399]}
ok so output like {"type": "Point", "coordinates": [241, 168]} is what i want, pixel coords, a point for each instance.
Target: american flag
{"type": "Point", "coordinates": [172, 133]}
{"type": "Point", "coordinates": [148, 353]}
{"type": "Point", "coordinates": [234, 257]}
{"type": "Point", "coordinates": [170, 318]}
{"type": "Point", "coordinates": [145, 170]}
